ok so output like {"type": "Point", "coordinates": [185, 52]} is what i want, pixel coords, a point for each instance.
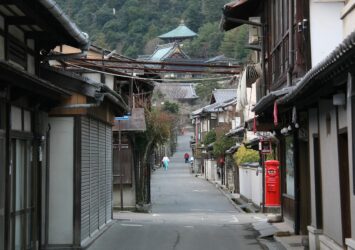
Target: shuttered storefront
{"type": "Point", "coordinates": [96, 176]}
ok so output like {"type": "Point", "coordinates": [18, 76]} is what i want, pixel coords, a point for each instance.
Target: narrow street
{"type": "Point", "coordinates": [188, 212]}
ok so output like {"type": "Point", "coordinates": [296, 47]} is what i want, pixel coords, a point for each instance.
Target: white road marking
{"type": "Point", "coordinates": [155, 215]}
{"type": "Point", "coordinates": [131, 225]}
{"type": "Point", "coordinates": [189, 226]}
{"type": "Point", "coordinates": [258, 218]}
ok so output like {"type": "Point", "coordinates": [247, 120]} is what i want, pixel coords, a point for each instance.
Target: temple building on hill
{"type": "Point", "coordinates": [180, 33]}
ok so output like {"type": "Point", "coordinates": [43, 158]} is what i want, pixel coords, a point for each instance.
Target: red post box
{"type": "Point", "coordinates": [272, 183]}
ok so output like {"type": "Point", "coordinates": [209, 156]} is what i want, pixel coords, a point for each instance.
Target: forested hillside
{"type": "Point", "coordinates": [131, 26]}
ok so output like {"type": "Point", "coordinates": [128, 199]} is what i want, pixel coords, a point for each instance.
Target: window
{"type": "Point", "coordinates": [279, 30]}
{"type": "Point", "coordinates": [22, 207]}
{"type": "Point", "coordinates": [20, 119]}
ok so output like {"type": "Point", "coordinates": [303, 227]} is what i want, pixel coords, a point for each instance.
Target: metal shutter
{"type": "Point", "coordinates": [108, 173]}
{"type": "Point", "coordinates": [94, 176]}
{"type": "Point", "coordinates": [85, 178]}
{"type": "Point", "coordinates": [102, 174]}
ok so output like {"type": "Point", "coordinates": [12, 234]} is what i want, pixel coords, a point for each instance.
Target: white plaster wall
{"type": "Point", "coordinates": [348, 15]}
{"type": "Point", "coordinates": [256, 184]}
{"type": "Point", "coordinates": [61, 191]}
{"type": "Point", "coordinates": [325, 25]}
{"type": "Point", "coordinates": [313, 129]}
{"type": "Point", "coordinates": [342, 116]}
{"type": "Point", "coordinates": [109, 80]}
{"type": "Point", "coordinates": [330, 173]}
{"type": "Point", "coordinates": [245, 182]}
{"type": "Point", "coordinates": [351, 159]}
{"type": "Point", "coordinates": [211, 170]}
{"type": "Point", "coordinates": [93, 76]}
{"type": "Point", "coordinates": [222, 117]}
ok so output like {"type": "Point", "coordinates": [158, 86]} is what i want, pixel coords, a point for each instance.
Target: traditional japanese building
{"type": "Point", "coordinates": [28, 31]}
{"type": "Point", "coordinates": [308, 103]}
{"type": "Point", "coordinates": [179, 34]}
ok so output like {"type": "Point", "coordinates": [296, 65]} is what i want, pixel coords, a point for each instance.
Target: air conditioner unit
{"type": "Point", "coordinates": [254, 31]}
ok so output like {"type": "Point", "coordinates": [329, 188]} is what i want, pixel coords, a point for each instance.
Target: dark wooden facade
{"type": "Point", "coordinates": [284, 57]}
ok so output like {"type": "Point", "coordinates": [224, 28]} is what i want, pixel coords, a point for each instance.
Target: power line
{"type": "Point", "coordinates": [159, 63]}
{"type": "Point", "coordinates": [161, 69]}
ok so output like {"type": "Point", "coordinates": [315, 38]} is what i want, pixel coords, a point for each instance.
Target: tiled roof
{"type": "Point", "coordinates": [344, 51]}
{"type": "Point", "coordinates": [222, 95]}
{"type": "Point", "coordinates": [178, 90]}
{"type": "Point", "coordinates": [163, 52]}
{"type": "Point", "coordinates": [180, 32]}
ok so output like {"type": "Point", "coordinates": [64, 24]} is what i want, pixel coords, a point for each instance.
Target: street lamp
{"type": "Point", "coordinates": [119, 119]}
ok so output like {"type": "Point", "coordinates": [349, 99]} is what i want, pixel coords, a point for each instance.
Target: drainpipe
{"type": "Point", "coordinates": [46, 206]}
{"type": "Point", "coordinates": [290, 43]}
{"type": "Point", "coordinates": [81, 106]}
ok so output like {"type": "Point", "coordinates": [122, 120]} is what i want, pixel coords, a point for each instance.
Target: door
{"type": "Point", "coordinates": [2, 190]}
{"type": "Point", "coordinates": [318, 182]}
{"type": "Point", "coordinates": [22, 204]}
{"type": "Point", "coordinates": [304, 187]}
{"type": "Point", "coordinates": [344, 185]}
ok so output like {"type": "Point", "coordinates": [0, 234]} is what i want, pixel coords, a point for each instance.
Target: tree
{"type": "Point", "coordinates": [171, 107]}
{"type": "Point", "coordinates": [160, 125]}
{"type": "Point", "coordinates": [221, 145]}
{"type": "Point", "coordinates": [234, 44]}
{"type": "Point", "coordinates": [207, 42]}
{"type": "Point", "coordinates": [209, 137]}
{"type": "Point", "coordinates": [204, 89]}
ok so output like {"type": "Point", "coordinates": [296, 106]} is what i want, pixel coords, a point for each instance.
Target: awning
{"type": "Point", "coordinates": [236, 131]}
{"type": "Point", "coordinates": [240, 9]}
{"type": "Point", "coordinates": [268, 100]}
{"type": "Point", "coordinates": [233, 149]}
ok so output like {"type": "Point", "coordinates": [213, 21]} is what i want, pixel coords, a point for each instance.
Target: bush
{"type": "Point", "coordinates": [209, 137]}
{"type": "Point", "coordinates": [221, 145]}
{"type": "Point", "coordinates": [244, 155]}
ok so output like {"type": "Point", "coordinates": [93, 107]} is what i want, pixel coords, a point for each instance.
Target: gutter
{"type": "Point", "coordinates": [81, 37]}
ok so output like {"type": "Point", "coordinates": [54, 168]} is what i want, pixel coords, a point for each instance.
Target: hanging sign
{"type": "Point", "coordinates": [265, 146]}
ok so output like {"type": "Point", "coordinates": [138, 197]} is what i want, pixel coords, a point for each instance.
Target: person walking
{"type": "Point", "coordinates": [186, 157]}
{"type": "Point", "coordinates": [165, 162]}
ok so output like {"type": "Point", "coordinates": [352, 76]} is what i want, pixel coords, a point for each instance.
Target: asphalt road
{"type": "Point", "coordinates": [188, 213]}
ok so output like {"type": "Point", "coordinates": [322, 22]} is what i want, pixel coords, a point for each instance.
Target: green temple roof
{"type": "Point", "coordinates": [180, 32]}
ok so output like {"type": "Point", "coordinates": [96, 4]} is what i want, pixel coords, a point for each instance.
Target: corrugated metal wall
{"type": "Point", "coordinates": [96, 176]}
